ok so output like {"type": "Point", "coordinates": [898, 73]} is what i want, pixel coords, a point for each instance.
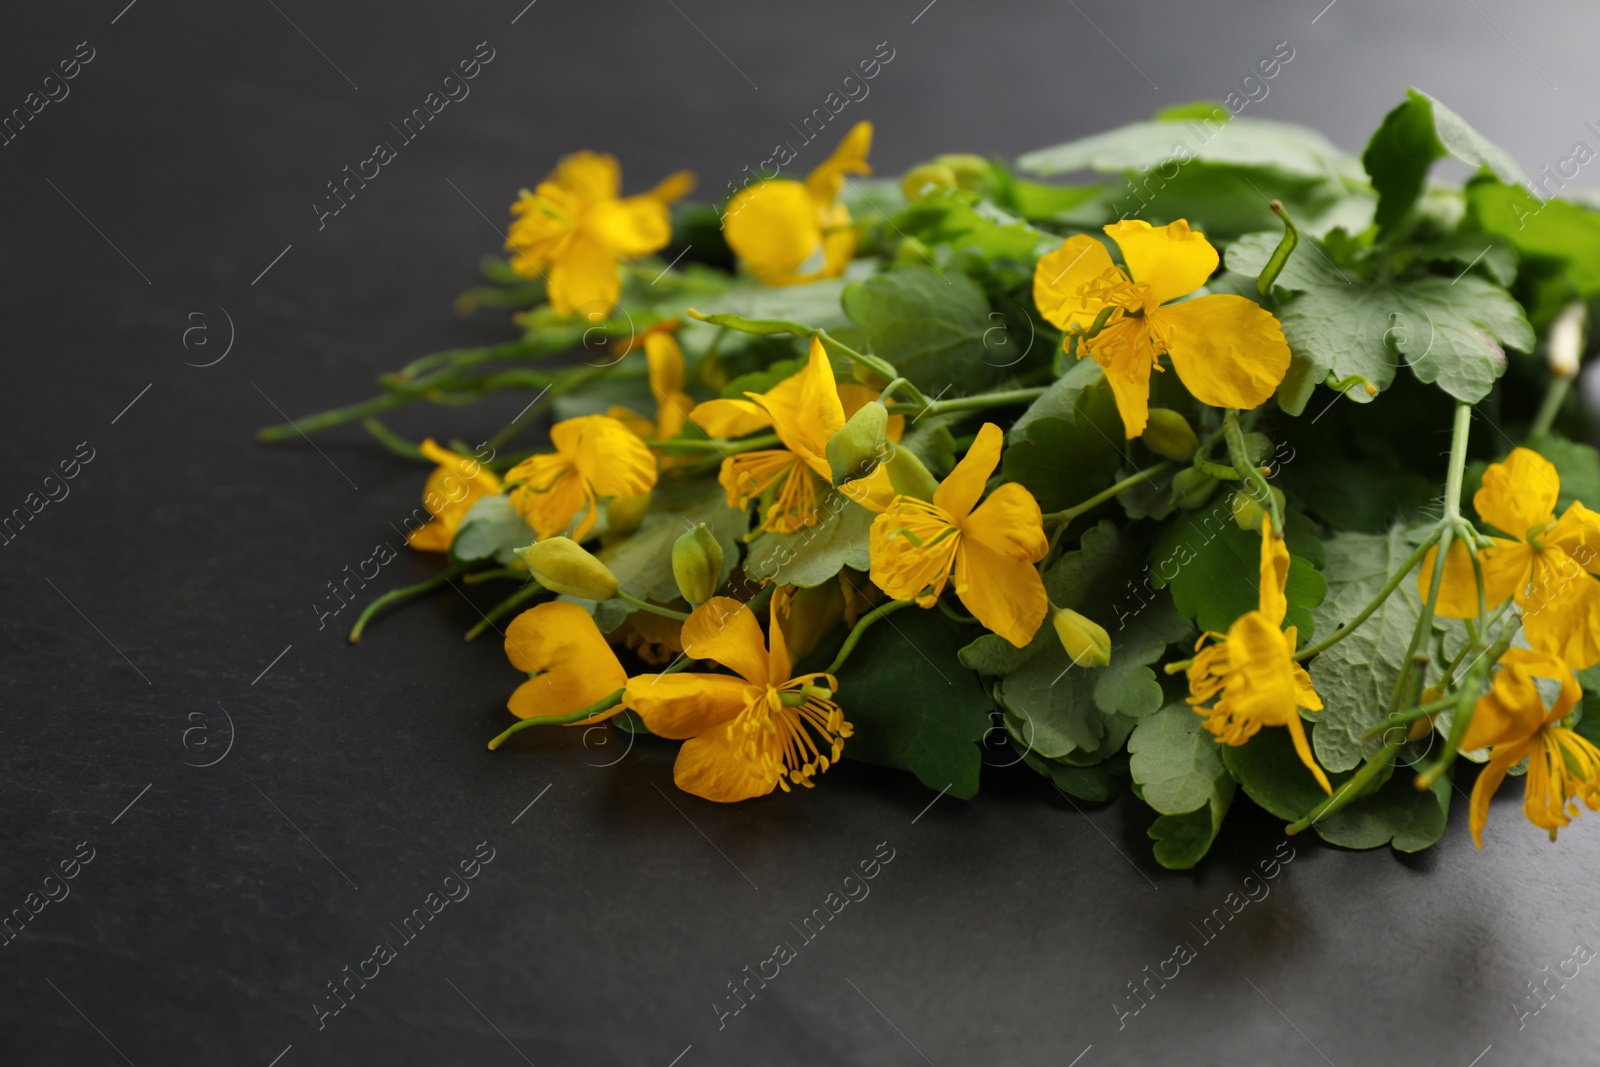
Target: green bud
{"type": "Point", "coordinates": [971, 171]}
{"type": "Point", "coordinates": [1258, 446]}
{"type": "Point", "coordinates": [814, 613]}
{"type": "Point", "coordinates": [1191, 488]}
{"type": "Point", "coordinates": [697, 564]}
{"type": "Point", "coordinates": [909, 477]}
{"type": "Point", "coordinates": [912, 251]}
{"type": "Point", "coordinates": [1085, 640]}
{"type": "Point", "coordinates": [1169, 434]}
{"type": "Point", "coordinates": [857, 447]}
{"type": "Point", "coordinates": [918, 178]}
{"type": "Point", "coordinates": [1247, 510]}
{"type": "Point", "coordinates": [562, 565]}
{"type": "Point", "coordinates": [625, 513]}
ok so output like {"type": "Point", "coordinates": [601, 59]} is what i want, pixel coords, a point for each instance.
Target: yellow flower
{"type": "Point", "coordinates": [805, 409]}
{"type": "Point", "coordinates": [745, 734]}
{"type": "Point", "coordinates": [1253, 669]}
{"type": "Point", "coordinates": [573, 229]}
{"type": "Point", "coordinates": [992, 546]}
{"type": "Point", "coordinates": [778, 227]}
{"type": "Point", "coordinates": [569, 664]}
{"type": "Point", "coordinates": [596, 456]}
{"type": "Point", "coordinates": [1511, 721]}
{"type": "Point", "coordinates": [1542, 565]}
{"type": "Point", "coordinates": [457, 483]}
{"type": "Point", "coordinates": [1229, 352]}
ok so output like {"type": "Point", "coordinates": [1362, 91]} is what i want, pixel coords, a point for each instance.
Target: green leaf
{"type": "Point", "coordinates": [1578, 466]}
{"type": "Point", "coordinates": [815, 554]}
{"type": "Point", "coordinates": [1051, 709]}
{"type": "Point", "coordinates": [1064, 462]}
{"type": "Point", "coordinates": [491, 527]}
{"type": "Point", "coordinates": [912, 708]}
{"type": "Point", "coordinates": [1412, 137]}
{"type": "Point", "coordinates": [1060, 399]}
{"type": "Point", "coordinates": [993, 655]}
{"type": "Point", "coordinates": [1356, 677]}
{"type": "Point", "coordinates": [1308, 266]}
{"type": "Point", "coordinates": [642, 561]}
{"type": "Point", "coordinates": [1181, 841]}
{"type": "Point", "coordinates": [1098, 783]}
{"type": "Point", "coordinates": [931, 326]}
{"type": "Point", "coordinates": [959, 219]}
{"type": "Point", "coordinates": [1398, 814]}
{"type": "Point", "coordinates": [1554, 232]}
{"type": "Point", "coordinates": [1174, 760]}
{"type": "Point", "coordinates": [1127, 685]}
{"type": "Point", "coordinates": [1212, 568]}
{"type": "Point", "coordinates": [1277, 147]}
{"type": "Point", "coordinates": [1271, 774]}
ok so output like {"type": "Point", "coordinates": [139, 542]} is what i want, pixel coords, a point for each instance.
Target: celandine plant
{"type": "Point", "coordinates": [1160, 496]}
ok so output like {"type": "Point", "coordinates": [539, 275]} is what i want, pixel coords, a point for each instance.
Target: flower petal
{"type": "Point", "coordinates": [1229, 351]}
{"type": "Point", "coordinates": [1518, 493]}
{"type": "Point", "coordinates": [772, 226]}
{"type": "Point", "coordinates": [1009, 523]}
{"type": "Point", "coordinates": [711, 768]}
{"type": "Point", "coordinates": [1172, 260]}
{"type": "Point", "coordinates": [686, 705]}
{"type": "Point", "coordinates": [1128, 372]}
{"type": "Point", "coordinates": [903, 568]}
{"type": "Point", "coordinates": [633, 227]}
{"type": "Point", "coordinates": [1505, 572]}
{"type": "Point", "coordinates": [612, 459]}
{"type": "Point", "coordinates": [591, 176]}
{"type": "Point", "coordinates": [1578, 535]}
{"type": "Point", "coordinates": [584, 279]}
{"type": "Point", "coordinates": [850, 157]}
{"type": "Point", "coordinates": [725, 630]}
{"type": "Point", "coordinates": [1561, 610]}
{"type": "Point", "coordinates": [727, 419]}
{"type": "Point", "coordinates": [806, 418]}
{"type": "Point", "coordinates": [665, 360]}
{"type": "Point", "coordinates": [959, 493]}
{"type": "Point", "coordinates": [1489, 779]}
{"type": "Point", "coordinates": [674, 187]}
{"type": "Point", "coordinates": [1060, 277]}
{"type": "Point", "coordinates": [574, 665]}
{"type": "Point", "coordinates": [1004, 593]}
{"type": "Point", "coordinates": [1274, 574]}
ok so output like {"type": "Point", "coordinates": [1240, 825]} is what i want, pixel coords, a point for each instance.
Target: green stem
{"type": "Point", "coordinates": [861, 627]}
{"type": "Point", "coordinates": [1554, 397]}
{"type": "Point", "coordinates": [312, 423]}
{"type": "Point", "coordinates": [394, 596]}
{"type": "Point", "coordinates": [645, 605]}
{"type": "Point", "coordinates": [970, 403]}
{"type": "Point", "coordinates": [1280, 255]}
{"type": "Point", "coordinates": [1383, 594]}
{"type": "Point", "coordinates": [1068, 514]}
{"type": "Point", "coordinates": [497, 574]}
{"type": "Point", "coordinates": [393, 441]}
{"type": "Point", "coordinates": [954, 615]}
{"type": "Point", "coordinates": [1252, 474]}
{"type": "Point", "coordinates": [877, 366]}
{"type": "Point", "coordinates": [504, 608]}
{"type": "Point", "coordinates": [605, 703]}
{"type": "Point", "coordinates": [1407, 717]}
{"type": "Point", "coordinates": [1350, 790]}
{"type": "Point", "coordinates": [1215, 470]}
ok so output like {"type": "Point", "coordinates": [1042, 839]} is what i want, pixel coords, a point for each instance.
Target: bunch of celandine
{"type": "Point", "coordinates": [827, 505]}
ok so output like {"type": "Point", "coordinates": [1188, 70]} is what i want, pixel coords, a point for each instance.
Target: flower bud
{"type": "Point", "coordinates": [1169, 434]}
{"type": "Point", "coordinates": [697, 564]}
{"type": "Point", "coordinates": [562, 565]}
{"type": "Point", "coordinates": [918, 178]}
{"type": "Point", "coordinates": [1258, 446]}
{"type": "Point", "coordinates": [911, 251]}
{"type": "Point", "coordinates": [1247, 510]}
{"type": "Point", "coordinates": [1564, 346]}
{"type": "Point", "coordinates": [625, 513]}
{"type": "Point", "coordinates": [1085, 640]}
{"type": "Point", "coordinates": [909, 477]}
{"type": "Point", "coordinates": [857, 447]}
{"type": "Point", "coordinates": [1191, 488]}
{"type": "Point", "coordinates": [971, 171]}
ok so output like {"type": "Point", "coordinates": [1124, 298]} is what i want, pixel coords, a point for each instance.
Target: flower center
{"type": "Point", "coordinates": [792, 732]}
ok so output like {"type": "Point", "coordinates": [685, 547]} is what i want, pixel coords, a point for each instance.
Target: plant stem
{"type": "Point", "coordinates": [504, 608]}
{"type": "Point", "coordinates": [1383, 594]}
{"type": "Point", "coordinates": [394, 596]}
{"type": "Point", "coordinates": [1350, 790]}
{"type": "Point", "coordinates": [605, 703]}
{"type": "Point", "coordinates": [1068, 514]}
{"type": "Point", "coordinates": [645, 605]}
{"type": "Point", "coordinates": [1406, 717]}
{"type": "Point", "coordinates": [862, 624]}
{"type": "Point", "coordinates": [970, 403]}
{"type": "Point", "coordinates": [1251, 473]}
{"type": "Point", "coordinates": [311, 423]}
{"type": "Point", "coordinates": [497, 574]}
{"type": "Point", "coordinates": [1554, 397]}
{"type": "Point", "coordinates": [393, 441]}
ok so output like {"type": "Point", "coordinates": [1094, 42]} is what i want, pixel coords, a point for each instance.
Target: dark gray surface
{"type": "Point", "coordinates": [187, 559]}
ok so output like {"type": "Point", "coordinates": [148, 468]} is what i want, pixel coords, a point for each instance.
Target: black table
{"type": "Point", "coordinates": [231, 884]}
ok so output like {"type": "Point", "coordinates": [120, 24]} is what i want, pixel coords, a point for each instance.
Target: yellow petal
{"type": "Point", "coordinates": [1003, 592]}
{"type": "Point", "coordinates": [665, 360]}
{"type": "Point", "coordinates": [1060, 278]}
{"type": "Point", "coordinates": [633, 227]}
{"type": "Point", "coordinates": [727, 419]}
{"type": "Point", "coordinates": [575, 667]}
{"type": "Point", "coordinates": [584, 279]}
{"type": "Point", "coordinates": [1505, 572]}
{"type": "Point", "coordinates": [454, 486]}
{"type": "Point", "coordinates": [636, 423]}
{"type": "Point", "coordinates": [1261, 684]}
{"type": "Point", "coordinates": [431, 536]}
{"type": "Point", "coordinates": [1513, 709]}
{"type": "Point", "coordinates": [875, 492]}
{"type": "Point", "coordinates": [1518, 493]}
{"type": "Point", "coordinates": [959, 493]}
{"type": "Point", "coordinates": [1172, 260]}
{"type": "Point", "coordinates": [853, 396]}
{"type": "Point", "coordinates": [1489, 779]}
{"type": "Point", "coordinates": [1302, 748]}
{"type": "Point", "coordinates": [611, 458]}
{"type": "Point", "coordinates": [591, 176]}
{"type": "Point", "coordinates": [1274, 574]}
{"type": "Point", "coordinates": [673, 187]}
{"type": "Point", "coordinates": [711, 768]}
{"type": "Point", "coordinates": [1561, 609]}
{"type": "Point", "coordinates": [1229, 351]}
{"type": "Point", "coordinates": [552, 493]}
{"type": "Point", "coordinates": [685, 705]}
{"type": "Point", "coordinates": [779, 663]}
{"type": "Point", "coordinates": [1578, 535]}
{"type": "Point", "coordinates": [806, 419]}
{"type": "Point", "coordinates": [1009, 523]}
{"type": "Point", "coordinates": [773, 227]}
{"type": "Point", "coordinates": [1129, 373]}
{"type": "Point", "coordinates": [725, 630]}
{"type": "Point", "coordinates": [838, 246]}
{"type": "Point", "coordinates": [850, 157]}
